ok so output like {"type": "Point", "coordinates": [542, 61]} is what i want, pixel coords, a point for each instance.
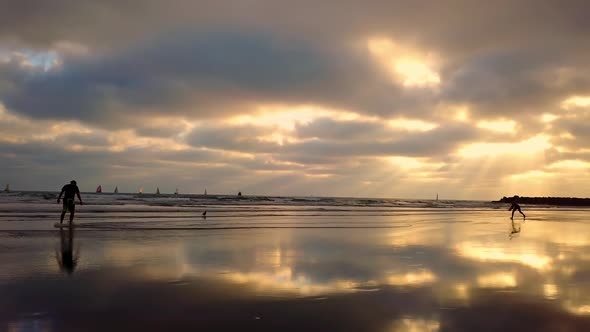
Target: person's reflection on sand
{"type": "Point", "coordinates": [66, 259]}
{"type": "Point", "coordinates": [515, 230]}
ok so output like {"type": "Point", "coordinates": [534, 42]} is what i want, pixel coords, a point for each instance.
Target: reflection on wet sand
{"type": "Point", "coordinates": [437, 276]}
{"type": "Point", "coordinates": [67, 257]}
{"type": "Point", "coordinates": [516, 228]}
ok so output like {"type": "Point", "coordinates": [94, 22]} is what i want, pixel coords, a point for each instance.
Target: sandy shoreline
{"type": "Point", "coordinates": [450, 271]}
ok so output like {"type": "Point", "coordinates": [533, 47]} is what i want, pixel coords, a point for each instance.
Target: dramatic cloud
{"type": "Point", "coordinates": [335, 98]}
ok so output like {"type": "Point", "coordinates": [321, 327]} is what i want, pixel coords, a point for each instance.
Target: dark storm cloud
{"type": "Point", "coordinates": [196, 75]}
{"type": "Point", "coordinates": [144, 65]}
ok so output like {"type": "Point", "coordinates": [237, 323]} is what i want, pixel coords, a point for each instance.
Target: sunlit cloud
{"type": "Point", "coordinates": [286, 117]}
{"type": "Point", "coordinates": [71, 48]}
{"type": "Point", "coordinates": [504, 126]}
{"type": "Point", "coordinates": [409, 163]}
{"type": "Point", "coordinates": [548, 117]}
{"type": "Point", "coordinates": [530, 146]}
{"type": "Point", "coordinates": [575, 102]}
{"type": "Point", "coordinates": [411, 68]}
{"type": "Point", "coordinates": [535, 175]}
{"type": "Point", "coordinates": [412, 124]}
{"type": "Point", "coordinates": [569, 164]}
{"type": "Point", "coordinates": [31, 59]}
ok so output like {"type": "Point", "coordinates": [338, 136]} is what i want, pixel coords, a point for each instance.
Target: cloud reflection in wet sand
{"type": "Point", "coordinates": [438, 276]}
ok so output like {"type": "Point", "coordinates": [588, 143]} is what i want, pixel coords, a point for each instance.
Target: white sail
{"type": "Point", "coordinates": [140, 190]}
{"type": "Point", "coordinates": [116, 190]}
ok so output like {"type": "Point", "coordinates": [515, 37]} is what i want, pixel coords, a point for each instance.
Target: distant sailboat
{"type": "Point", "coordinates": [176, 191]}
{"type": "Point", "coordinates": [116, 190]}
{"type": "Point", "coordinates": [157, 190]}
{"type": "Point", "coordinates": [140, 190]}
{"type": "Point", "coordinates": [98, 189]}
{"type": "Point", "coordinates": [205, 192]}
{"type": "Point", "coordinates": [437, 196]}
{"type": "Point", "coordinates": [7, 189]}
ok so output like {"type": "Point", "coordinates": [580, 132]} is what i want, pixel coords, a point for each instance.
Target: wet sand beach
{"type": "Point", "coordinates": [285, 268]}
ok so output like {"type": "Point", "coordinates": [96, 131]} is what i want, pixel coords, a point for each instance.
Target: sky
{"type": "Point", "coordinates": [400, 99]}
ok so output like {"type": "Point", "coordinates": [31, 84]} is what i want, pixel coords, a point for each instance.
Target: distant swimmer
{"type": "Point", "coordinates": [515, 207]}
{"type": "Point", "coordinates": [205, 214]}
{"type": "Point", "coordinates": [240, 193]}
{"type": "Point", "coordinates": [69, 191]}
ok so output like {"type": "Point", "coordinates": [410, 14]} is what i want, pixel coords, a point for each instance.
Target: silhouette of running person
{"type": "Point", "coordinates": [66, 258]}
{"type": "Point", "coordinates": [69, 191]}
{"type": "Point", "coordinates": [515, 207]}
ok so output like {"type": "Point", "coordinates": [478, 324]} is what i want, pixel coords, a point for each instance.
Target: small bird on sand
{"type": "Point", "coordinates": [204, 214]}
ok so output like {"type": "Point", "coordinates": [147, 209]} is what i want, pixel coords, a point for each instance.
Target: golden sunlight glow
{"type": "Point", "coordinates": [285, 280]}
{"type": "Point", "coordinates": [550, 291]}
{"type": "Point", "coordinates": [412, 124]}
{"type": "Point", "coordinates": [548, 117]}
{"type": "Point", "coordinates": [412, 278]}
{"type": "Point", "coordinates": [461, 291]}
{"type": "Point", "coordinates": [275, 137]}
{"type": "Point", "coordinates": [406, 162]}
{"type": "Point", "coordinates": [489, 253]}
{"type": "Point", "coordinates": [286, 117]}
{"type": "Point", "coordinates": [533, 145]}
{"type": "Point", "coordinates": [416, 73]}
{"type": "Point", "coordinates": [575, 102]}
{"type": "Point", "coordinates": [583, 309]}
{"type": "Point", "coordinates": [497, 280]}
{"type": "Point", "coordinates": [409, 163]}
{"type": "Point", "coordinates": [462, 115]}
{"type": "Point", "coordinates": [125, 139]}
{"type": "Point", "coordinates": [404, 65]}
{"type": "Point", "coordinates": [531, 175]}
{"type": "Point", "coordinates": [414, 325]}
{"type": "Point", "coordinates": [570, 164]}
{"type": "Point", "coordinates": [504, 126]}
{"type": "Point", "coordinates": [567, 135]}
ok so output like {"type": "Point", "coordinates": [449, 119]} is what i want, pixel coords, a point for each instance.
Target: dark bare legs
{"type": "Point", "coordinates": [63, 214]}
{"type": "Point", "coordinates": [512, 217]}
